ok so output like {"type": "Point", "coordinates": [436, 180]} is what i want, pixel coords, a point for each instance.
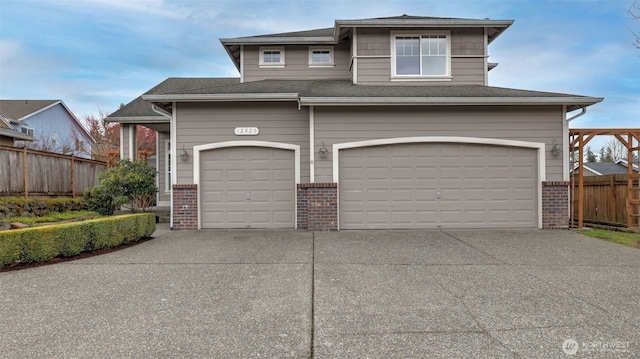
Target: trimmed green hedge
{"type": "Point", "coordinates": [39, 244]}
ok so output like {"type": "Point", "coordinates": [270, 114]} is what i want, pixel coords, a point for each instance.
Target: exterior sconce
{"type": "Point", "coordinates": [184, 156]}
{"type": "Point", "coordinates": [323, 151]}
{"type": "Point", "coordinates": [555, 149]}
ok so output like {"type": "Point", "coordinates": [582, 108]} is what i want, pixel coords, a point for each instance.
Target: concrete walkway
{"type": "Point", "coordinates": [350, 294]}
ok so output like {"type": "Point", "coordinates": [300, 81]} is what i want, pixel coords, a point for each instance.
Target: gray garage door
{"type": "Point", "coordinates": [438, 185]}
{"type": "Point", "coordinates": [247, 187]}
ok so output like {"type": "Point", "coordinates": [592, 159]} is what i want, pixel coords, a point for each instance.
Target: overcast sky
{"type": "Point", "coordinates": [97, 54]}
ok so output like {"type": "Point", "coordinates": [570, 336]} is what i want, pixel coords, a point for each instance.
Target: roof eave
{"type": "Point", "coordinates": [458, 101]}
{"type": "Point", "coordinates": [279, 40]}
{"type": "Point", "coordinates": [138, 119]}
{"type": "Point", "coordinates": [16, 134]}
{"type": "Point", "coordinates": [424, 23]}
{"type": "Point", "coordinates": [240, 97]}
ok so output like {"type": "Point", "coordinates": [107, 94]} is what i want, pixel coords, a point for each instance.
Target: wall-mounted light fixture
{"type": "Point", "coordinates": [323, 151]}
{"type": "Point", "coordinates": [184, 156]}
{"type": "Point", "coordinates": [555, 149]}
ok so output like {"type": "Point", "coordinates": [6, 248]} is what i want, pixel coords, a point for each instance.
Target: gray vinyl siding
{"type": "Point", "coordinates": [374, 57]}
{"type": "Point", "coordinates": [532, 124]}
{"type": "Point", "coordinates": [296, 66]}
{"type": "Point", "coordinates": [162, 166]}
{"type": "Point", "coordinates": [204, 123]}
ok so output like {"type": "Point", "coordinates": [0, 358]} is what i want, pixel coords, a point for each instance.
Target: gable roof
{"type": "Point", "coordinates": [18, 110]}
{"type": "Point", "coordinates": [344, 92]}
{"type": "Point", "coordinates": [343, 28]}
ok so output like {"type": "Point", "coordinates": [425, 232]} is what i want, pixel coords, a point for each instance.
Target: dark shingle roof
{"type": "Point", "coordinates": [14, 110]}
{"type": "Point", "coordinates": [183, 88]}
{"type": "Point", "coordinates": [337, 88]}
{"type": "Point", "coordinates": [606, 168]}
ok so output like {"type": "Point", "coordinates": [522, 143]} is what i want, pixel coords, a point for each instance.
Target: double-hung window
{"type": "Point", "coordinates": [271, 57]}
{"type": "Point", "coordinates": [321, 57]}
{"type": "Point", "coordinates": [421, 55]}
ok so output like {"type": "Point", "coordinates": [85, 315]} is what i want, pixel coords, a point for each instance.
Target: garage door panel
{"type": "Point", "coordinates": [247, 187]}
{"type": "Point", "coordinates": [432, 185]}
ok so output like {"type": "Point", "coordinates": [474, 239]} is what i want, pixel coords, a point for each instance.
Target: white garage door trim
{"type": "Point", "coordinates": [447, 139]}
{"type": "Point", "coordinates": [211, 146]}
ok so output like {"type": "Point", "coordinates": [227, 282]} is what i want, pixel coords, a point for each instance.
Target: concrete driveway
{"type": "Point", "coordinates": [350, 294]}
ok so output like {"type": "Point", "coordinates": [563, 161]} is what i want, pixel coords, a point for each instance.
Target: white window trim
{"type": "Point", "coordinates": [331, 63]}
{"type": "Point", "coordinates": [395, 77]}
{"type": "Point", "coordinates": [263, 64]}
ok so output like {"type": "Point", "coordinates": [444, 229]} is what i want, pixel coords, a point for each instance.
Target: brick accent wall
{"type": "Point", "coordinates": [317, 206]}
{"type": "Point", "coordinates": [185, 206]}
{"type": "Point", "coordinates": [555, 205]}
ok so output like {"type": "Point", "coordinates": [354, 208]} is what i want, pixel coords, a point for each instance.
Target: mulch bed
{"type": "Point", "coordinates": [20, 266]}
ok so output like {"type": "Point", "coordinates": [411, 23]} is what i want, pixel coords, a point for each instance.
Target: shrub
{"type": "Point", "coordinates": [99, 200]}
{"type": "Point", "coordinates": [131, 182]}
{"type": "Point", "coordinates": [41, 244]}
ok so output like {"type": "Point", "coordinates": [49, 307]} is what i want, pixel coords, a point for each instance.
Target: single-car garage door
{"type": "Point", "coordinates": [437, 185]}
{"type": "Point", "coordinates": [247, 187]}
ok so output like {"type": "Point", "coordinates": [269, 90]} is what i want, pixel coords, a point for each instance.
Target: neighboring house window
{"type": "Point", "coordinates": [320, 57]}
{"type": "Point", "coordinates": [79, 146]}
{"type": "Point", "coordinates": [271, 57]}
{"type": "Point", "coordinates": [54, 139]}
{"type": "Point", "coordinates": [426, 54]}
{"type": "Point", "coordinates": [167, 154]}
{"type": "Point", "coordinates": [28, 131]}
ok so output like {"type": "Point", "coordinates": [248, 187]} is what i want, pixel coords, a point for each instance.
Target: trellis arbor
{"type": "Point", "coordinates": [630, 138]}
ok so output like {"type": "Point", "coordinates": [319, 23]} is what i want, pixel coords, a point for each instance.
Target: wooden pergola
{"type": "Point", "coordinates": [630, 138]}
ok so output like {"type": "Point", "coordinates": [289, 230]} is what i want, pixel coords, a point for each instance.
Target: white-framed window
{"type": "Point", "coordinates": [321, 57]}
{"type": "Point", "coordinates": [425, 54]}
{"type": "Point", "coordinates": [54, 138]}
{"type": "Point", "coordinates": [28, 131]}
{"type": "Point", "coordinates": [167, 162]}
{"type": "Point", "coordinates": [271, 57]}
{"type": "Point", "coordinates": [79, 145]}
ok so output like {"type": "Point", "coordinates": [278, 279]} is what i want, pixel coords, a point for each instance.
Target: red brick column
{"type": "Point", "coordinates": [555, 205]}
{"type": "Point", "coordinates": [317, 206]}
{"type": "Point", "coordinates": [185, 206]}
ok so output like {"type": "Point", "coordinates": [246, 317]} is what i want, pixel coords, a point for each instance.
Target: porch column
{"type": "Point", "coordinates": [128, 143]}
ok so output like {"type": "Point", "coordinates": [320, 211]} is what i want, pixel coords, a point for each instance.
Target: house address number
{"type": "Point", "coordinates": [246, 131]}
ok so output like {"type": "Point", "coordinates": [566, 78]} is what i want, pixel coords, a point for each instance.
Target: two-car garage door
{"type": "Point", "coordinates": [437, 185]}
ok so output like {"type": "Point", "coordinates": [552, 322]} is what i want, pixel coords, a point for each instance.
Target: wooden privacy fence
{"type": "Point", "coordinates": [25, 172]}
{"type": "Point", "coordinates": [605, 199]}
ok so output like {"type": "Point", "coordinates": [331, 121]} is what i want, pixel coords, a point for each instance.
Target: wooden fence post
{"type": "Point", "coordinates": [73, 179]}
{"type": "Point", "coordinates": [25, 173]}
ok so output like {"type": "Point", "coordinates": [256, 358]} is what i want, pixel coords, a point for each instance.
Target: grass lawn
{"type": "Point", "coordinates": [55, 217]}
{"type": "Point", "coordinates": [628, 239]}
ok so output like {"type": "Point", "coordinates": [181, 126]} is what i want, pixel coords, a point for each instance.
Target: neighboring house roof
{"type": "Point", "coordinates": [344, 92]}
{"type": "Point", "coordinates": [605, 168]}
{"type": "Point", "coordinates": [625, 163]}
{"type": "Point", "coordinates": [6, 130]}
{"type": "Point", "coordinates": [18, 110]}
{"type": "Point", "coordinates": [342, 29]}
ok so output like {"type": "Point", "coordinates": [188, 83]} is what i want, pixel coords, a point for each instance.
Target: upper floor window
{"type": "Point", "coordinates": [27, 130]}
{"type": "Point", "coordinates": [271, 57]}
{"type": "Point", "coordinates": [425, 54]}
{"type": "Point", "coordinates": [321, 56]}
